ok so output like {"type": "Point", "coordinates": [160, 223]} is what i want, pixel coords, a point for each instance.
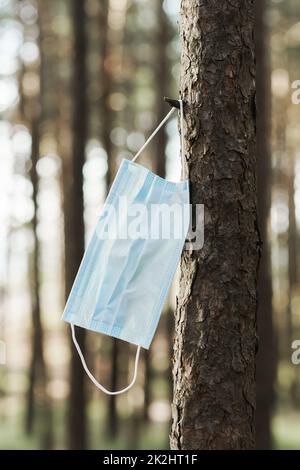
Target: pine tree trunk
{"type": "Point", "coordinates": [37, 371]}
{"type": "Point", "coordinates": [293, 243]}
{"type": "Point", "coordinates": [38, 406]}
{"type": "Point", "coordinates": [106, 85]}
{"type": "Point", "coordinates": [265, 357]}
{"type": "Point", "coordinates": [161, 84]}
{"type": "Point", "coordinates": [74, 222]}
{"type": "Point", "coordinates": [215, 340]}
{"type": "Point", "coordinates": [37, 363]}
{"type": "Point", "coordinates": [292, 249]}
{"type": "Point", "coordinates": [106, 118]}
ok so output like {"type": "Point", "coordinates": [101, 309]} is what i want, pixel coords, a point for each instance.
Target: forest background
{"type": "Point", "coordinates": [81, 87]}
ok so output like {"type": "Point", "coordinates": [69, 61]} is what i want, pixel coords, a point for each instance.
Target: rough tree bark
{"type": "Point", "coordinates": [74, 222]}
{"type": "Point", "coordinates": [215, 341]}
{"type": "Point", "coordinates": [265, 363]}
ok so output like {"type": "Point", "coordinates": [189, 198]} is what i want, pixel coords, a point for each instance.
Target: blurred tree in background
{"type": "Point", "coordinates": [265, 359]}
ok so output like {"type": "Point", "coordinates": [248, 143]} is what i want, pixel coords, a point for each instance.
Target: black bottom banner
{"type": "Point", "coordinates": [134, 459]}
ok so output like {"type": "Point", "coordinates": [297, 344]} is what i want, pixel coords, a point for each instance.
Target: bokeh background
{"type": "Point", "coordinates": [81, 87]}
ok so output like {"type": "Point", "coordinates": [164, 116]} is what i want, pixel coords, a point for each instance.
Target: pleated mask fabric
{"type": "Point", "coordinates": [122, 283]}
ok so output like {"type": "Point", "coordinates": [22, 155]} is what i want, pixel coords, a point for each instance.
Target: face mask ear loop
{"type": "Point", "coordinates": [90, 375]}
{"type": "Point", "coordinates": [153, 134]}
{"type": "Point", "coordinates": [182, 140]}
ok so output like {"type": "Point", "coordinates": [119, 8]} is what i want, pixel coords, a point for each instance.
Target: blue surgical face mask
{"type": "Point", "coordinates": [130, 262]}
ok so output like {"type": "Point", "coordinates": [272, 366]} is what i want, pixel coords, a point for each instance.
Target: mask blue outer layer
{"type": "Point", "coordinates": [122, 284]}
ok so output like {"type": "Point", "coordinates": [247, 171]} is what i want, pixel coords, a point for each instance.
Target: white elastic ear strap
{"type": "Point", "coordinates": [98, 385]}
{"type": "Point", "coordinates": [156, 131]}
{"type": "Point", "coordinates": [153, 134]}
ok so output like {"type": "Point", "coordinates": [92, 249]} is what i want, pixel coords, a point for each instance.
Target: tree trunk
{"type": "Point", "coordinates": [74, 222]}
{"type": "Point", "coordinates": [38, 407]}
{"type": "Point", "coordinates": [37, 371]}
{"type": "Point", "coordinates": [293, 243]}
{"type": "Point", "coordinates": [106, 83]}
{"type": "Point", "coordinates": [37, 363]}
{"type": "Point", "coordinates": [215, 341]}
{"type": "Point", "coordinates": [292, 249]}
{"type": "Point", "coordinates": [265, 356]}
{"type": "Point", "coordinates": [161, 85]}
{"type": "Point", "coordinates": [106, 117]}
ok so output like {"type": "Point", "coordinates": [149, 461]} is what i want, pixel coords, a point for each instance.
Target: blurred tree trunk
{"type": "Point", "coordinates": [147, 383]}
{"type": "Point", "coordinates": [112, 410]}
{"type": "Point", "coordinates": [279, 182]}
{"type": "Point", "coordinates": [37, 371]}
{"type": "Point", "coordinates": [106, 83]}
{"type": "Point", "coordinates": [37, 363]}
{"type": "Point", "coordinates": [265, 373]}
{"type": "Point", "coordinates": [106, 128]}
{"type": "Point", "coordinates": [215, 340]}
{"type": "Point", "coordinates": [293, 242]}
{"type": "Point", "coordinates": [161, 85]}
{"type": "Point", "coordinates": [74, 221]}
{"type": "Point", "coordinates": [292, 248]}
{"type": "Point", "coordinates": [38, 400]}
{"type": "Point", "coordinates": [170, 337]}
